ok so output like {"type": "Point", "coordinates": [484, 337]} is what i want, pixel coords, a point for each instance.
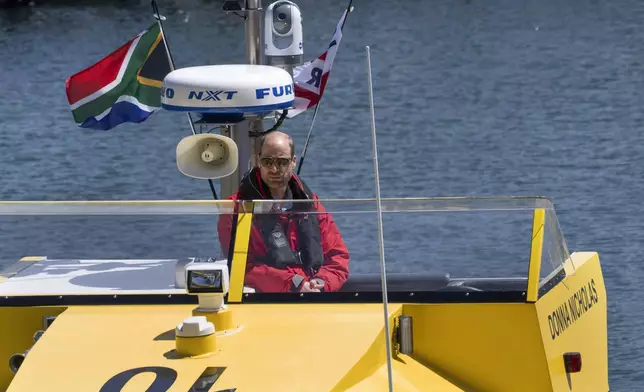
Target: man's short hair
{"type": "Point", "coordinates": [291, 143]}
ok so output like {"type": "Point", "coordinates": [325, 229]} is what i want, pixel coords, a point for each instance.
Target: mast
{"type": "Point", "coordinates": [240, 132]}
{"type": "Point", "coordinates": [274, 38]}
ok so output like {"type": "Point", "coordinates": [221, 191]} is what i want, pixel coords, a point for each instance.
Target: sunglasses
{"type": "Point", "coordinates": [270, 161]}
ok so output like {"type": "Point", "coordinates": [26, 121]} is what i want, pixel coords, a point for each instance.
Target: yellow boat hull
{"type": "Point", "coordinates": [323, 347]}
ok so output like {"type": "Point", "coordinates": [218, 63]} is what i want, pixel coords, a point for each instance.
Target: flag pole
{"type": "Point", "coordinates": [308, 137]}
{"type": "Point", "coordinates": [315, 113]}
{"type": "Point", "coordinates": [158, 17]}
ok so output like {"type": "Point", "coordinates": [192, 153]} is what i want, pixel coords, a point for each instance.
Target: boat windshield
{"type": "Point", "coordinates": [436, 249]}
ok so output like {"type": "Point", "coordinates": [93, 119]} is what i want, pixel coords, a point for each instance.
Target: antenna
{"type": "Point", "coordinates": [381, 241]}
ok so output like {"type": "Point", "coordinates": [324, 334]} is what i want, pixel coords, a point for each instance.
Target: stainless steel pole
{"type": "Point", "coordinates": [381, 240]}
{"type": "Point", "coordinates": [254, 17]}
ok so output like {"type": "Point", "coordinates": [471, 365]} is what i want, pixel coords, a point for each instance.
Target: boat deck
{"type": "Point", "coordinates": [43, 276]}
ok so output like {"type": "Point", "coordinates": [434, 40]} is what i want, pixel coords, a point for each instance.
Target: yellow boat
{"type": "Point", "coordinates": [477, 294]}
{"type": "Point", "coordinates": [110, 325]}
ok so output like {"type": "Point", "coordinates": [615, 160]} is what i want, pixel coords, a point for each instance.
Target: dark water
{"type": "Point", "coordinates": [473, 97]}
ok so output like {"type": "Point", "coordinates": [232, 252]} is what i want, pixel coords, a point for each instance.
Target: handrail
{"type": "Point", "coordinates": [536, 252]}
{"type": "Point", "coordinates": [240, 252]}
{"type": "Point", "coordinates": [215, 207]}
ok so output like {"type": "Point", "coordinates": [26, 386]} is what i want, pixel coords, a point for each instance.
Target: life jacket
{"type": "Point", "coordinates": [272, 226]}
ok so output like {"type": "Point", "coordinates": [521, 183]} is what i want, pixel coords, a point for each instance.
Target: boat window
{"type": "Point", "coordinates": [110, 247]}
{"type": "Point", "coordinates": [474, 247]}
{"type": "Point", "coordinates": [436, 249]}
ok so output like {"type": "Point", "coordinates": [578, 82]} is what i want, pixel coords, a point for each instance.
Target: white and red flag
{"type": "Point", "coordinates": [310, 78]}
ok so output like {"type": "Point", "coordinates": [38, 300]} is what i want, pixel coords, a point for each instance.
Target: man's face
{"type": "Point", "coordinates": [276, 163]}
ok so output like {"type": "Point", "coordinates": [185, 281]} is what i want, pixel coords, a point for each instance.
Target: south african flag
{"type": "Point", "coordinates": [125, 86]}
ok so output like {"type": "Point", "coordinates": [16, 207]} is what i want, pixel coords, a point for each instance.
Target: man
{"type": "Point", "coordinates": [289, 251]}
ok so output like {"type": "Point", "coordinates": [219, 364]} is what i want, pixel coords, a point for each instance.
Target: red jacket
{"type": "Point", "coordinates": [334, 270]}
